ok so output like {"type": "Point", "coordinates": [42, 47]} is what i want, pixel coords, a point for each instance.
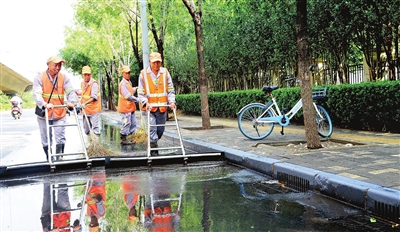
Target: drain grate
{"type": "Point", "coordinates": [295, 182]}
{"type": "Point", "coordinates": [387, 211]}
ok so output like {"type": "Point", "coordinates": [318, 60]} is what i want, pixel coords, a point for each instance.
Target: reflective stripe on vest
{"type": "Point", "coordinates": [62, 220]}
{"type": "Point", "coordinates": [156, 95]}
{"type": "Point", "coordinates": [94, 106]}
{"type": "Point", "coordinates": [57, 98]}
{"type": "Point", "coordinates": [124, 105]}
{"type": "Point", "coordinates": [91, 203]}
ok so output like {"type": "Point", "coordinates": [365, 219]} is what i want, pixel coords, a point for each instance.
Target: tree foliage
{"type": "Point", "coordinates": [247, 44]}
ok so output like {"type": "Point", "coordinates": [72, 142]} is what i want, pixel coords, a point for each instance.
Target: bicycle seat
{"type": "Point", "coordinates": [269, 89]}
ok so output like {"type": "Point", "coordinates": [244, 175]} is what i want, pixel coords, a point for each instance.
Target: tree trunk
{"type": "Point", "coordinates": [110, 81]}
{"type": "Point", "coordinates": [196, 16]}
{"type": "Point", "coordinates": [310, 126]}
{"type": "Point", "coordinates": [159, 39]}
{"type": "Point", "coordinates": [205, 220]}
{"type": "Point", "coordinates": [134, 42]}
{"type": "Point", "coordinates": [205, 112]}
{"type": "Point", "coordinates": [103, 90]}
{"type": "Point", "coordinates": [111, 105]}
{"type": "Point", "coordinates": [396, 52]}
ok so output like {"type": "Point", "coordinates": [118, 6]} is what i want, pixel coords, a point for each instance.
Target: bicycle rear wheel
{"type": "Point", "coordinates": [324, 123]}
{"type": "Point", "coordinates": [250, 127]}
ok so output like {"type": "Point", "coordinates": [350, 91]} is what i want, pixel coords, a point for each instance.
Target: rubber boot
{"type": "Point", "coordinates": [46, 151]}
{"type": "Point", "coordinates": [125, 141]}
{"type": "Point", "coordinates": [154, 152]}
{"type": "Point", "coordinates": [59, 150]}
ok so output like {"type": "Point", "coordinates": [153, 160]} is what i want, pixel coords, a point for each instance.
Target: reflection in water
{"type": "Point", "coordinates": [95, 200]}
{"type": "Point", "coordinates": [158, 213]}
{"type": "Point", "coordinates": [56, 209]}
{"type": "Point", "coordinates": [199, 197]}
{"type": "Point", "coordinates": [110, 139]}
{"type": "Point", "coordinates": [128, 148]}
{"type": "Point", "coordinates": [130, 197]}
{"type": "Point", "coordinates": [153, 201]}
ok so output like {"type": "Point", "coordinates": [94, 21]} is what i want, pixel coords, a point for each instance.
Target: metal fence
{"type": "Point", "coordinates": [356, 74]}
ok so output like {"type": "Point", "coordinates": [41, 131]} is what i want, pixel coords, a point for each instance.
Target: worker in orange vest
{"type": "Point", "coordinates": [90, 101]}
{"type": "Point", "coordinates": [155, 88]}
{"type": "Point", "coordinates": [96, 200]}
{"type": "Point", "coordinates": [163, 219]}
{"type": "Point", "coordinates": [130, 196]}
{"type": "Point", "coordinates": [61, 210]}
{"type": "Point", "coordinates": [49, 89]}
{"type": "Point", "coordinates": [127, 105]}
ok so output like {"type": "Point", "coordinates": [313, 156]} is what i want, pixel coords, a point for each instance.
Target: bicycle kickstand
{"type": "Point", "coordinates": [282, 131]}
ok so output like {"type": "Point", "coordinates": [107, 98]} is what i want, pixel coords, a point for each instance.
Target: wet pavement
{"type": "Point", "coordinates": [206, 196]}
{"type": "Point", "coordinates": [20, 139]}
{"type": "Point", "coordinates": [374, 157]}
{"type": "Point", "coordinates": [372, 161]}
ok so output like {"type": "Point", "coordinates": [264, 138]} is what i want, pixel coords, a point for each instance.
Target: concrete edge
{"type": "Point", "coordinates": [378, 199]}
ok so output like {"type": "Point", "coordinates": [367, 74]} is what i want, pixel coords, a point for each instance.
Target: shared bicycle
{"type": "Point", "coordinates": [257, 120]}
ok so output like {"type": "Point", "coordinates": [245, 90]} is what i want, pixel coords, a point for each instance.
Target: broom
{"type": "Point", "coordinates": [95, 148]}
{"type": "Point", "coordinates": [140, 136]}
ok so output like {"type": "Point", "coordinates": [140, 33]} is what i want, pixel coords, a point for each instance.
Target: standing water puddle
{"type": "Point", "coordinates": [110, 139]}
{"type": "Point", "coordinates": [202, 196]}
{"type": "Point", "coordinates": [206, 196]}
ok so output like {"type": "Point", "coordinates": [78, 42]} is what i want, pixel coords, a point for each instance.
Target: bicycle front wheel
{"type": "Point", "coordinates": [324, 122]}
{"type": "Point", "coordinates": [248, 125]}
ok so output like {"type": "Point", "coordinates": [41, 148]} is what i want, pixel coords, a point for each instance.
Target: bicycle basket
{"type": "Point", "coordinates": [319, 93]}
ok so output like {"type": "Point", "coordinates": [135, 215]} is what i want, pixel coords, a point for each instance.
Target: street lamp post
{"type": "Point", "coordinates": [145, 41]}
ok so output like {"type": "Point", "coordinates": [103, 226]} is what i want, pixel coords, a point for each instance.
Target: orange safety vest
{"type": "Point", "coordinates": [163, 220]}
{"type": "Point", "coordinates": [124, 105]}
{"type": "Point", "coordinates": [94, 106]}
{"type": "Point", "coordinates": [91, 203]}
{"type": "Point", "coordinates": [62, 221]}
{"type": "Point", "coordinates": [57, 98]}
{"type": "Point", "coordinates": [129, 186]}
{"type": "Point", "coordinates": [156, 94]}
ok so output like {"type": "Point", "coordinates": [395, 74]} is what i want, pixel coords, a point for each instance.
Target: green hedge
{"type": "Point", "coordinates": [373, 106]}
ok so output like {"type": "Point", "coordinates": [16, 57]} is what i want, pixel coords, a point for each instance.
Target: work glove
{"type": "Point", "coordinates": [70, 106]}
{"type": "Point", "coordinates": [78, 109]}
